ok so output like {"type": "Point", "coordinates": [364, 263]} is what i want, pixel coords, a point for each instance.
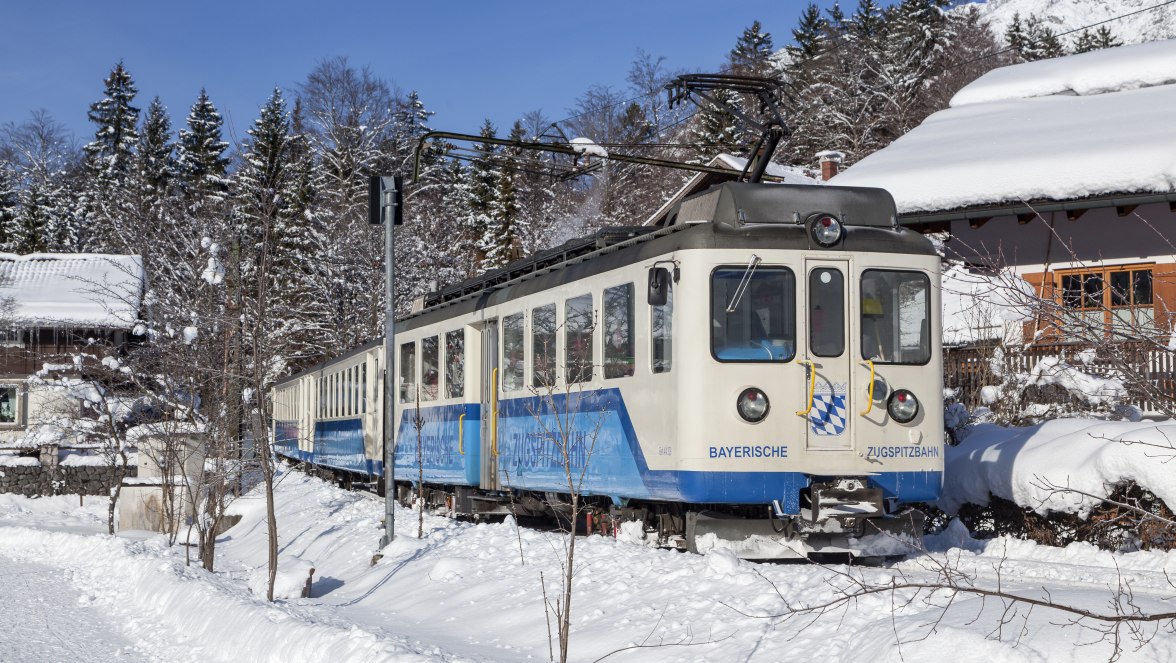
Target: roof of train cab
{"type": "Point", "coordinates": [732, 215]}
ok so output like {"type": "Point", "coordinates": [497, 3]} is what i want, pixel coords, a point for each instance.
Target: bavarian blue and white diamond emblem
{"type": "Point", "coordinates": [828, 414]}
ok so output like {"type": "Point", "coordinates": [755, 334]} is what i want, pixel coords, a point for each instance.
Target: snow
{"type": "Point", "coordinates": [1024, 465]}
{"type": "Point", "coordinates": [589, 147]}
{"type": "Point", "coordinates": [462, 593]}
{"type": "Point", "coordinates": [10, 460]}
{"type": "Point", "coordinates": [79, 289]}
{"type": "Point", "coordinates": [1011, 149]}
{"type": "Point", "coordinates": [1091, 389]}
{"type": "Point", "coordinates": [1083, 74]}
{"type": "Point", "coordinates": [785, 174]}
{"type": "Point", "coordinates": [86, 460]}
{"type": "Point", "coordinates": [49, 620]}
{"type": "Point", "coordinates": [980, 307]}
{"type": "Point", "coordinates": [1132, 21]}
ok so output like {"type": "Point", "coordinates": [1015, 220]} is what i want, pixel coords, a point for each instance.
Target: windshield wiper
{"type": "Point", "coordinates": [741, 289]}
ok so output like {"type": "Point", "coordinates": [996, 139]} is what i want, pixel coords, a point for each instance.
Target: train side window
{"type": "Point", "coordinates": [753, 314]}
{"type": "Point", "coordinates": [513, 359]}
{"type": "Point", "coordinates": [363, 388]}
{"type": "Point", "coordinates": [408, 373]}
{"type": "Point", "coordinates": [896, 317]}
{"type": "Point", "coordinates": [543, 350]}
{"type": "Point", "coordinates": [455, 364]}
{"type": "Point", "coordinates": [430, 367]}
{"type": "Point", "coordinates": [578, 327]}
{"type": "Point", "coordinates": [618, 331]}
{"type": "Point", "coordinates": [662, 334]}
{"type": "Point", "coordinates": [826, 295]}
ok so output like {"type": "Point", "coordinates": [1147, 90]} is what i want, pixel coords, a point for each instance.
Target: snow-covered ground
{"type": "Point", "coordinates": [468, 592]}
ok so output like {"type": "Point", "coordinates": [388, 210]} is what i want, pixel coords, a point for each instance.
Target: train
{"type": "Point", "coordinates": [762, 371]}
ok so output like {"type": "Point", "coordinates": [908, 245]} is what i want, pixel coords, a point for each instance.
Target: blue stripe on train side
{"type": "Point", "coordinates": [442, 458]}
{"type": "Point", "coordinates": [529, 459]}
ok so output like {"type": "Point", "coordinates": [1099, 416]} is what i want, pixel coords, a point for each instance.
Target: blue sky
{"type": "Point", "coordinates": [468, 60]}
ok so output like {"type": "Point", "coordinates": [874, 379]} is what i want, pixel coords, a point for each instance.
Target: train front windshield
{"type": "Point", "coordinates": [753, 316]}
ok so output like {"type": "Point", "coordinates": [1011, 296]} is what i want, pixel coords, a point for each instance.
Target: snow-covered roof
{"type": "Point", "coordinates": [73, 289]}
{"type": "Point", "coordinates": [1086, 125]}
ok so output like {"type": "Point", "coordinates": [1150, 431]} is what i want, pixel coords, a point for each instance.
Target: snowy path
{"type": "Point", "coordinates": [46, 619]}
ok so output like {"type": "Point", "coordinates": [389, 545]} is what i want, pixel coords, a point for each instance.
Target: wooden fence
{"type": "Point", "coordinates": [1146, 369]}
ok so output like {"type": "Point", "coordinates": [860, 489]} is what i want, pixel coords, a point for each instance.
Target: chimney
{"type": "Point", "coordinates": [830, 163]}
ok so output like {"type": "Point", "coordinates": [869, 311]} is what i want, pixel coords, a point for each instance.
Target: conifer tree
{"type": "Point", "coordinates": [109, 159]}
{"type": "Point", "coordinates": [9, 207]}
{"type": "Point", "coordinates": [809, 36]}
{"type": "Point", "coordinates": [201, 164]}
{"type": "Point", "coordinates": [502, 238]}
{"type": "Point", "coordinates": [1092, 41]}
{"type": "Point", "coordinates": [109, 156]}
{"type": "Point", "coordinates": [752, 53]}
{"type": "Point", "coordinates": [155, 165]}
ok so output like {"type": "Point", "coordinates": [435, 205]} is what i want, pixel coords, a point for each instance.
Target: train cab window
{"type": "Point", "coordinates": [826, 295]}
{"type": "Point", "coordinates": [578, 327]}
{"type": "Point", "coordinates": [896, 317]}
{"type": "Point", "coordinates": [455, 364]}
{"type": "Point", "coordinates": [753, 314]}
{"type": "Point", "coordinates": [513, 361]}
{"type": "Point", "coordinates": [662, 334]}
{"type": "Point", "coordinates": [408, 373]}
{"type": "Point", "coordinates": [430, 367]}
{"type": "Point", "coordinates": [618, 331]}
{"type": "Point", "coordinates": [543, 349]}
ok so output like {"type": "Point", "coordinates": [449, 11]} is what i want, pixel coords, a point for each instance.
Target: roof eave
{"type": "Point", "coordinates": [1038, 207]}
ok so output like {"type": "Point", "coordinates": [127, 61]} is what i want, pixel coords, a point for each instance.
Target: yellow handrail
{"type": "Point", "coordinates": [812, 369]}
{"type": "Point", "coordinates": [461, 434]}
{"type": "Point", "coordinates": [494, 412]}
{"type": "Point", "coordinates": [870, 399]}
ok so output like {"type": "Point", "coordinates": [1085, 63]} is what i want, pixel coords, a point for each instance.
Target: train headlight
{"type": "Point", "coordinates": [752, 405]}
{"type": "Point", "coordinates": [902, 406]}
{"type": "Point", "coordinates": [826, 229]}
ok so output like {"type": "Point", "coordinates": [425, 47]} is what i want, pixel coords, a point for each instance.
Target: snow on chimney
{"type": "Point", "coordinates": [830, 163]}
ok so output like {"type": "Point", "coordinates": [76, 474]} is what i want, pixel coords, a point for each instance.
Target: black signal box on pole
{"type": "Point", "coordinates": [378, 188]}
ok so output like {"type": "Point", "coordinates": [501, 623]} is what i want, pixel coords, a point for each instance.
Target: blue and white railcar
{"type": "Point", "coordinates": [761, 369]}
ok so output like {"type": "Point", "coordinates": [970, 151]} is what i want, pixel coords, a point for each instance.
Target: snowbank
{"type": "Point", "coordinates": [1028, 465]}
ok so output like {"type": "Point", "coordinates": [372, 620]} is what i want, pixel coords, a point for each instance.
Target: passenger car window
{"type": "Point", "coordinates": [578, 327]}
{"type": "Point", "coordinates": [618, 331]}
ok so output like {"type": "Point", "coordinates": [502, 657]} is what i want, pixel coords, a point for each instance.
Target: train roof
{"type": "Point", "coordinates": [729, 215]}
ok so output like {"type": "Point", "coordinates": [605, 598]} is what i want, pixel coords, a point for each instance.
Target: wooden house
{"type": "Point", "coordinates": [51, 307]}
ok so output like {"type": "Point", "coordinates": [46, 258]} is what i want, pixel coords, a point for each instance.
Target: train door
{"type": "Point", "coordinates": [830, 412]}
{"type": "Point", "coordinates": [489, 393]}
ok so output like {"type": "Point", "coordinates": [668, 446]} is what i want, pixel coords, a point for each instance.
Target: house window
{"type": "Point", "coordinates": [1114, 299]}
{"type": "Point", "coordinates": [10, 406]}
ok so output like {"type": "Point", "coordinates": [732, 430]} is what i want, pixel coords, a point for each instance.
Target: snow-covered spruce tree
{"type": "Point", "coordinates": [1031, 40]}
{"type": "Point", "coordinates": [482, 175]}
{"type": "Point", "coordinates": [9, 207]}
{"type": "Point", "coordinates": [109, 160]}
{"type": "Point", "coordinates": [910, 58]}
{"type": "Point", "coordinates": [1092, 41]}
{"type": "Point", "coordinates": [752, 53]}
{"type": "Point", "coordinates": [267, 198]}
{"type": "Point", "coordinates": [201, 164]}
{"type": "Point", "coordinates": [501, 241]}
